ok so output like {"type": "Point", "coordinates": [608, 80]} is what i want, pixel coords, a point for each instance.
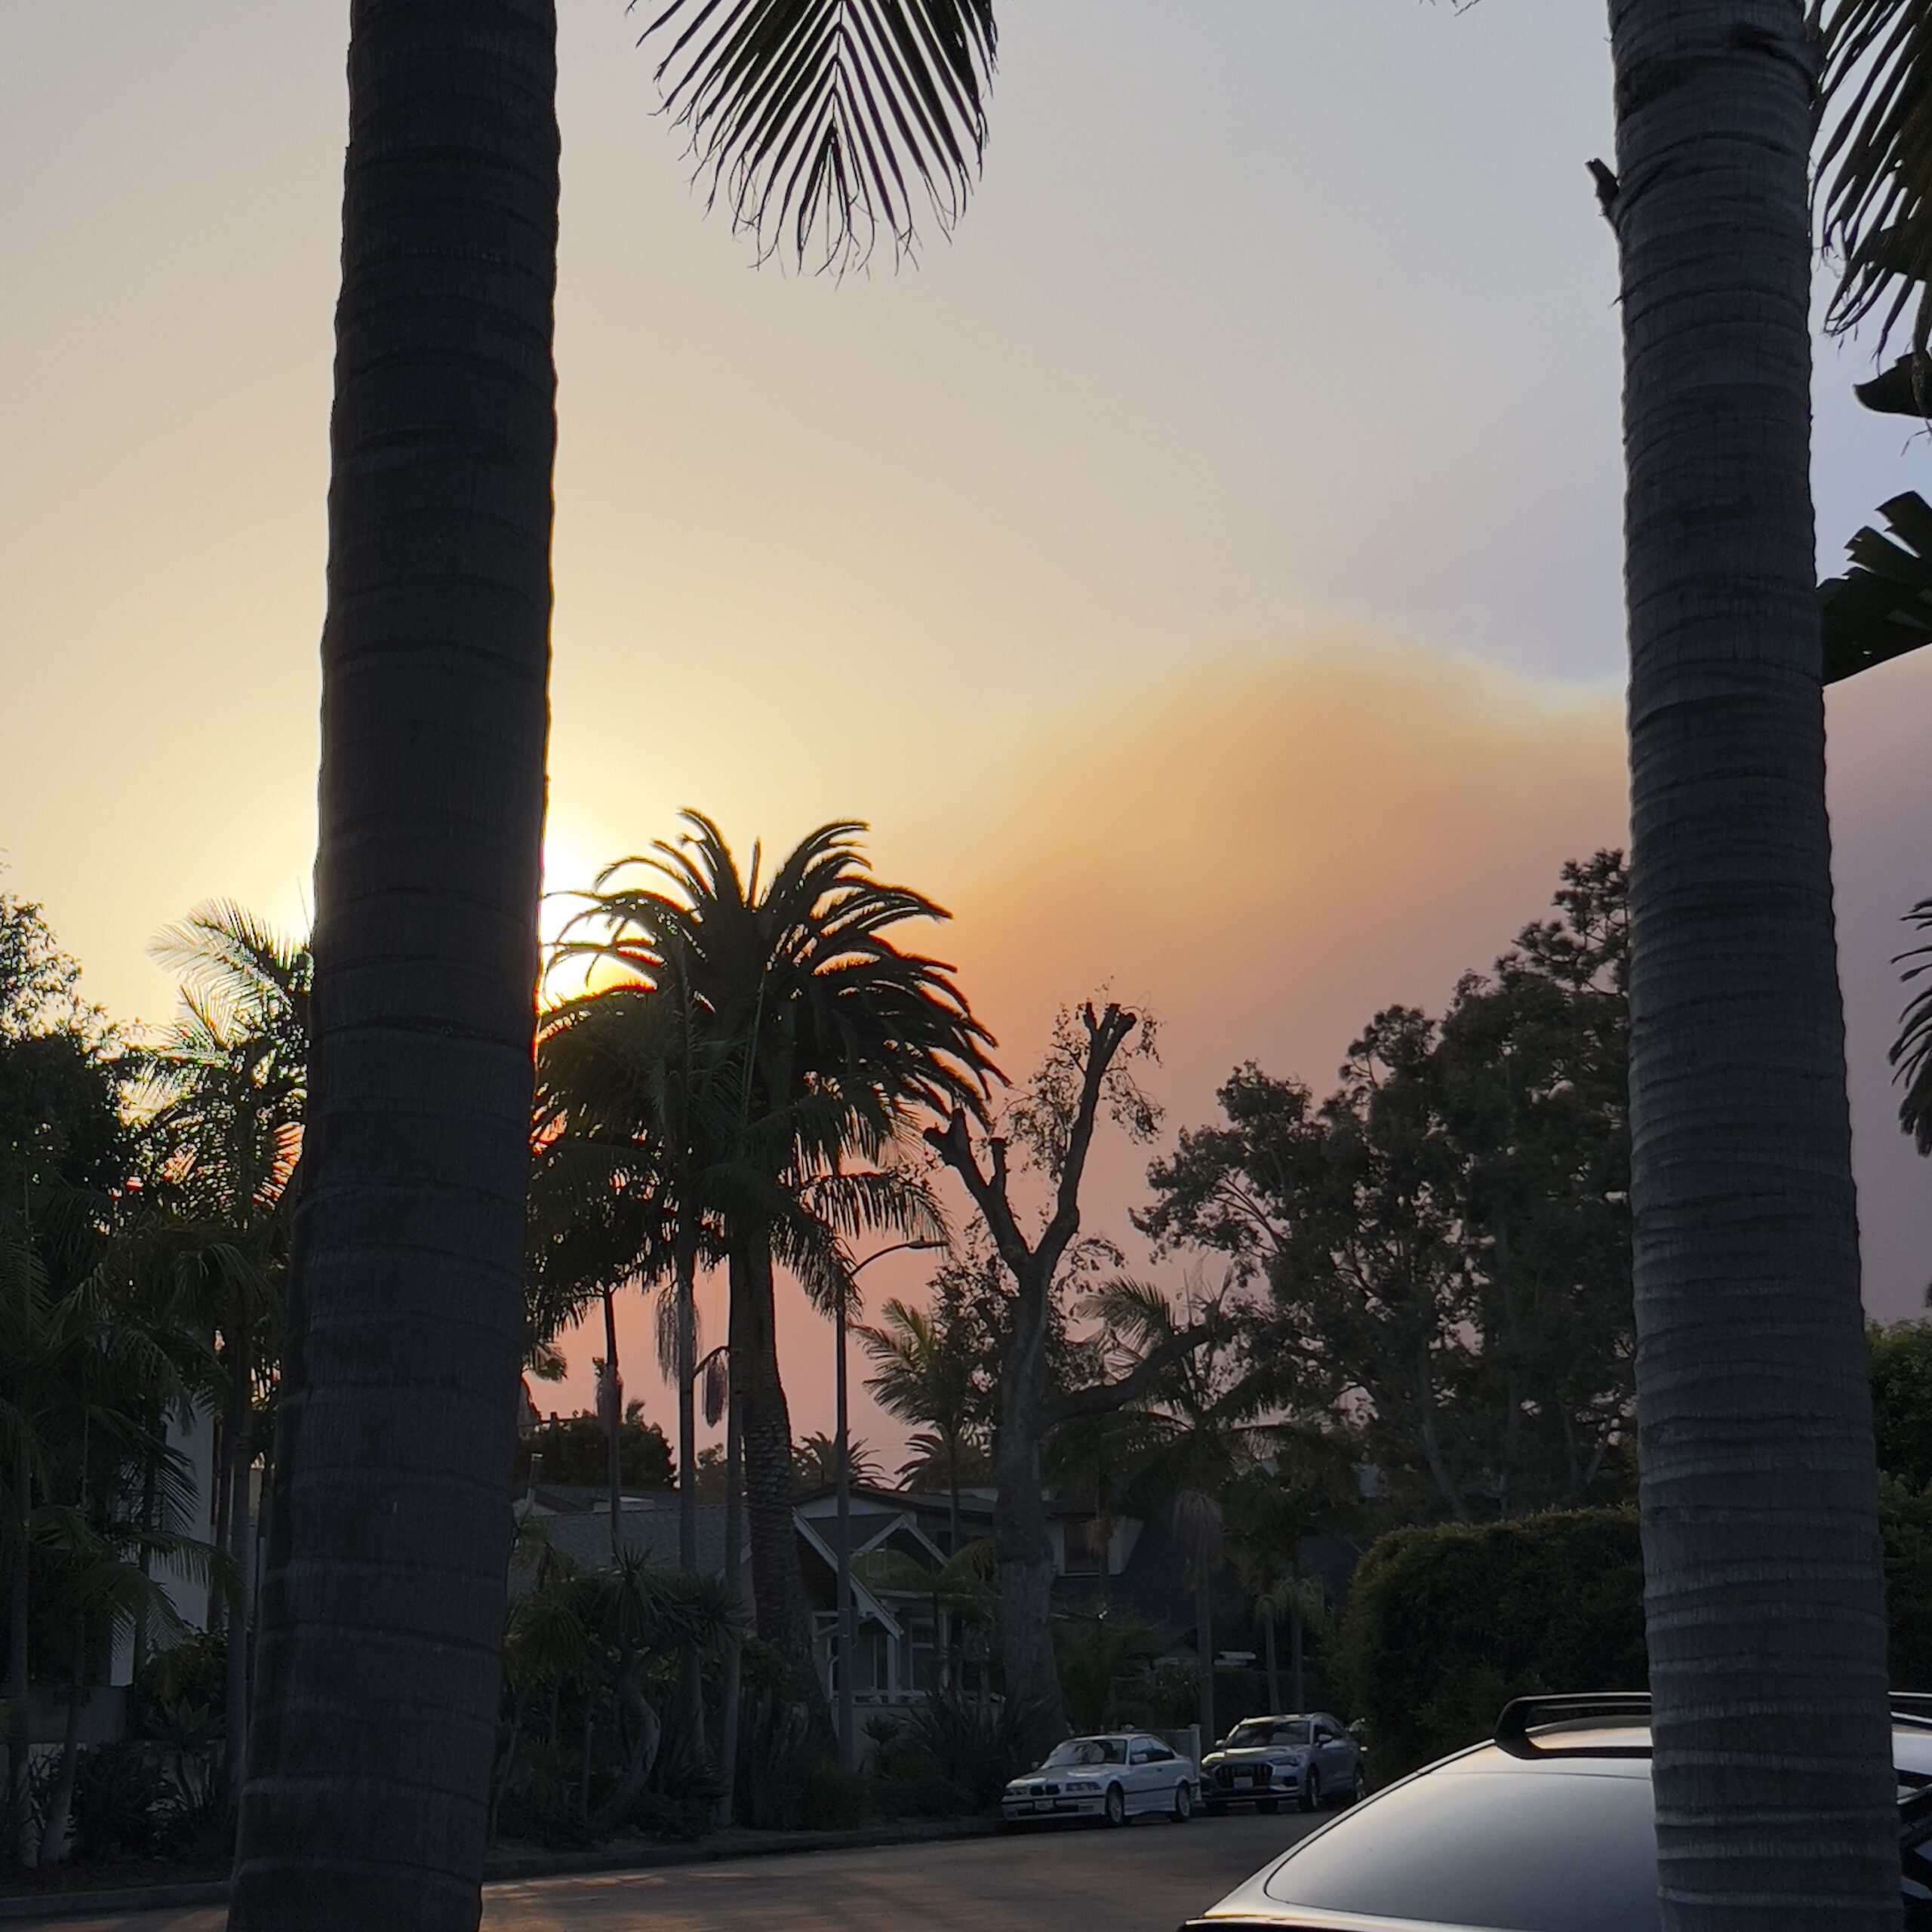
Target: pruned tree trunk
{"type": "Point", "coordinates": [1021, 1546]}
{"type": "Point", "coordinates": [381, 1614]}
{"type": "Point", "coordinates": [1274, 1672]}
{"type": "Point", "coordinates": [1776, 1801]}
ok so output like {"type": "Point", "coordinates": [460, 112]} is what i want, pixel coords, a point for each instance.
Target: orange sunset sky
{"type": "Point", "coordinates": [1203, 572]}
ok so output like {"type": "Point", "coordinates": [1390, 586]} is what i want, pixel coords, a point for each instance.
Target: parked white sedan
{"type": "Point", "coordinates": [1116, 1777]}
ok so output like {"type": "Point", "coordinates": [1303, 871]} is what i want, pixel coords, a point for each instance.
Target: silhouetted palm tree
{"type": "Point", "coordinates": [924, 1373]}
{"type": "Point", "coordinates": [838, 1038]}
{"type": "Point", "coordinates": [223, 1145]}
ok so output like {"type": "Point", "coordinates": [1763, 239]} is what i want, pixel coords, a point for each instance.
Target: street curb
{"type": "Point", "coordinates": [519, 1869]}
{"type": "Point", "coordinates": [124, 1898]}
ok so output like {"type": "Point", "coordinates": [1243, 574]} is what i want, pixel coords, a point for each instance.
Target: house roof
{"type": "Point", "coordinates": [649, 1529]}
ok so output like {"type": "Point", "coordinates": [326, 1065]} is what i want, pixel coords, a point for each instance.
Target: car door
{"type": "Point", "coordinates": [1144, 1770]}
{"type": "Point", "coordinates": [1164, 1771]}
{"type": "Point", "coordinates": [1334, 1755]}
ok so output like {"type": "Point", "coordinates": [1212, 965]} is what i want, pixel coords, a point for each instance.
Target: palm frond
{"type": "Point", "coordinates": [1912, 1052]}
{"type": "Point", "coordinates": [1875, 168]}
{"type": "Point", "coordinates": [825, 123]}
{"type": "Point", "coordinates": [1881, 608]}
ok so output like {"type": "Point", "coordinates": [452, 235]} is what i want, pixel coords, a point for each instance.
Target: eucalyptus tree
{"type": "Point", "coordinates": [1776, 1804]}
{"type": "Point", "coordinates": [836, 1040]}
{"type": "Point", "coordinates": [1086, 1074]}
{"type": "Point", "coordinates": [407, 1321]}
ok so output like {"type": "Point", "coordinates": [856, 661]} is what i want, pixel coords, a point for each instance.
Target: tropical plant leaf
{"type": "Point", "coordinates": [1912, 1052]}
{"type": "Point", "coordinates": [1881, 608]}
{"type": "Point", "coordinates": [1875, 168]}
{"type": "Point", "coordinates": [824, 123]}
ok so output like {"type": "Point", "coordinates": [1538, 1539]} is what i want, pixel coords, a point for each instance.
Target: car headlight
{"type": "Point", "coordinates": [1083, 1784]}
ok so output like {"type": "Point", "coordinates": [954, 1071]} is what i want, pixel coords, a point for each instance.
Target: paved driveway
{"type": "Point", "coordinates": [1146, 1878]}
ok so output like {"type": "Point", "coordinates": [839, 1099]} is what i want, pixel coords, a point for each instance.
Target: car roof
{"type": "Point", "coordinates": [1586, 1747]}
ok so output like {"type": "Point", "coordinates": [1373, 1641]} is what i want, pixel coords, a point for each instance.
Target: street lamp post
{"type": "Point", "coordinates": [848, 1621]}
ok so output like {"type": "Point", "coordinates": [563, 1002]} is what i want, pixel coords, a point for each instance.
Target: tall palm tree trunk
{"type": "Point", "coordinates": [381, 1612]}
{"type": "Point", "coordinates": [1765, 1615]}
{"type": "Point", "coordinates": [730, 1693]}
{"type": "Point", "coordinates": [238, 1439]}
{"type": "Point", "coordinates": [776, 1588]}
{"type": "Point", "coordinates": [613, 1395]}
{"type": "Point", "coordinates": [690, 1671]}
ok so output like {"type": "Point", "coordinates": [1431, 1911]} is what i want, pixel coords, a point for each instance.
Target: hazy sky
{"type": "Point", "coordinates": [1203, 572]}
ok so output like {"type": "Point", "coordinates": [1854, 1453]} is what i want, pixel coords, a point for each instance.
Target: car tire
{"type": "Point", "coordinates": [1311, 1791]}
{"type": "Point", "coordinates": [1270, 1805]}
{"type": "Point", "coordinates": [1358, 1790]}
{"type": "Point", "coordinates": [1113, 1813]}
{"type": "Point", "coordinates": [1183, 1803]}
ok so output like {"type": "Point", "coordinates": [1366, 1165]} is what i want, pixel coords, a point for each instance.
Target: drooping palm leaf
{"type": "Point", "coordinates": [1912, 1052]}
{"type": "Point", "coordinates": [1875, 169]}
{"type": "Point", "coordinates": [1881, 608]}
{"type": "Point", "coordinates": [824, 122]}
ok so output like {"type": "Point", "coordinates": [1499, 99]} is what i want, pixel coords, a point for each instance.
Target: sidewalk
{"type": "Point", "coordinates": [510, 1866]}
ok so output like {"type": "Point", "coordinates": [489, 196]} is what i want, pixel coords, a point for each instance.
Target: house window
{"type": "Point", "coordinates": [1086, 1547]}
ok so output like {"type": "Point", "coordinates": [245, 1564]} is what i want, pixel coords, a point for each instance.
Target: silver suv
{"type": "Point", "coordinates": [1308, 1759]}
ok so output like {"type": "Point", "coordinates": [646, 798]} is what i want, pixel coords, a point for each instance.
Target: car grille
{"type": "Point", "coordinates": [1226, 1777]}
{"type": "Point", "coordinates": [1041, 1790]}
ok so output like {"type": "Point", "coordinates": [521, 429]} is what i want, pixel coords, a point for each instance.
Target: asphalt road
{"type": "Point", "coordinates": [1146, 1878]}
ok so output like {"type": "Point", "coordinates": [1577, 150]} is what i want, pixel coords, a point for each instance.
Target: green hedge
{"type": "Point", "coordinates": [1444, 1625]}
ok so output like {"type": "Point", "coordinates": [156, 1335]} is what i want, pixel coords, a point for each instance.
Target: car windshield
{"type": "Point", "coordinates": [1269, 1730]}
{"type": "Point", "coordinates": [1078, 1751]}
{"type": "Point", "coordinates": [1493, 1844]}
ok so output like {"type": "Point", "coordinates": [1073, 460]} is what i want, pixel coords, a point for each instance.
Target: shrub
{"type": "Point", "coordinates": [1444, 1625]}
{"type": "Point", "coordinates": [122, 1800]}
{"type": "Point", "coordinates": [973, 1744]}
{"type": "Point", "coordinates": [926, 1794]}
{"type": "Point", "coordinates": [832, 1798]}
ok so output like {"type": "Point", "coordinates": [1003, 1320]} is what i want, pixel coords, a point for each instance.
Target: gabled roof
{"type": "Point", "coordinates": [867, 1604]}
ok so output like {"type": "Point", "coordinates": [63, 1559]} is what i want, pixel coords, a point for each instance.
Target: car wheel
{"type": "Point", "coordinates": [1268, 1805]}
{"type": "Point", "coordinates": [1359, 1789]}
{"type": "Point", "coordinates": [1216, 1809]}
{"type": "Point", "coordinates": [1184, 1802]}
{"type": "Point", "coordinates": [1115, 1811]}
{"type": "Point", "coordinates": [1311, 1791]}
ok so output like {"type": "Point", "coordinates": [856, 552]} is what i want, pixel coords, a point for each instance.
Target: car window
{"type": "Point", "coordinates": [1142, 1754]}
{"type": "Point", "coordinates": [1078, 1751]}
{"type": "Point", "coordinates": [1266, 1730]}
{"type": "Point", "coordinates": [1520, 1849]}
{"type": "Point", "coordinates": [1159, 1754]}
